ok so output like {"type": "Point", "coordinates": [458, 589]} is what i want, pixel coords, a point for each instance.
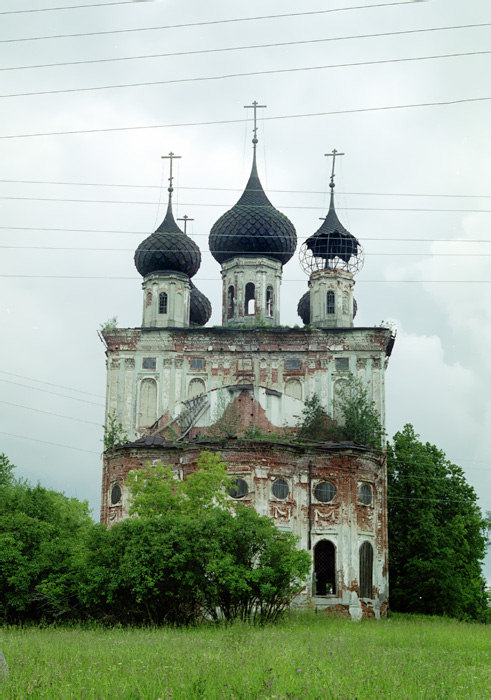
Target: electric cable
{"type": "Point", "coordinates": [235, 252]}
{"type": "Point", "coordinates": [265, 206]}
{"type": "Point", "coordinates": [238, 189]}
{"type": "Point", "coordinates": [50, 413]}
{"type": "Point", "coordinates": [147, 233]}
{"type": "Point", "coordinates": [208, 22]}
{"type": "Point", "coordinates": [248, 74]}
{"type": "Point", "coordinates": [48, 442]}
{"type": "Point", "coordinates": [213, 279]}
{"type": "Point", "coordinates": [245, 48]}
{"type": "Point", "coordinates": [58, 386]}
{"type": "Point", "coordinates": [358, 110]}
{"type": "Point", "coordinates": [47, 391]}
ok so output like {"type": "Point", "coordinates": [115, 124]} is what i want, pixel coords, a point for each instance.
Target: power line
{"type": "Point", "coordinates": [72, 7]}
{"type": "Point", "coordinates": [238, 252]}
{"type": "Point", "coordinates": [209, 22]}
{"type": "Point", "coordinates": [48, 442]}
{"type": "Point", "coordinates": [359, 110]}
{"type": "Point", "coordinates": [58, 386]}
{"type": "Point", "coordinates": [49, 413]}
{"type": "Point", "coordinates": [47, 391]}
{"type": "Point", "coordinates": [213, 279]}
{"type": "Point", "coordinates": [246, 47]}
{"type": "Point", "coordinates": [209, 204]}
{"type": "Point", "coordinates": [227, 76]}
{"type": "Point", "coordinates": [238, 189]}
{"type": "Point", "coordinates": [147, 233]}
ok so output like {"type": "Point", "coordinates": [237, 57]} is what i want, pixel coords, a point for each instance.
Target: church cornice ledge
{"type": "Point", "coordinates": [245, 443]}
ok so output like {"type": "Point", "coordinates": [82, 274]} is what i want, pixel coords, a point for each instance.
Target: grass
{"type": "Point", "coordinates": [305, 656]}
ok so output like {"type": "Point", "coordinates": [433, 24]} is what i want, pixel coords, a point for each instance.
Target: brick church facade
{"type": "Point", "coordinates": [179, 387]}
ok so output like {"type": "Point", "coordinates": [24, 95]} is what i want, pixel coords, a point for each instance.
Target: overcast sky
{"type": "Point", "coordinates": [413, 172]}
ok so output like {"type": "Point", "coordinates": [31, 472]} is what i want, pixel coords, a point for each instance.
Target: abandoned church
{"type": "Point", "coordinates": [179, 387]}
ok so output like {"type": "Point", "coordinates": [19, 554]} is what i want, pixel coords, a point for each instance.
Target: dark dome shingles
{"type": "Point", "coordinates": [168, 249]}
{"type": "Point", "coordinates": [253, 227]}
{"type": "Point", "coordinates": [303, 308]}
{"type": "Point", "coordinates": [200, 307]}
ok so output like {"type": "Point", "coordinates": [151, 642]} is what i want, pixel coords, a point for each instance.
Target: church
{"type": "Point", "coordinates": [180, 387]}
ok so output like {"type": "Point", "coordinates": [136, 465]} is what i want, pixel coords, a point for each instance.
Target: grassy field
{"type": "Point", "coordinates": [305, 656]}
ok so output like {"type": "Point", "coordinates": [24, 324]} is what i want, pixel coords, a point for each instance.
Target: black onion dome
{"type": "Point", "coordinates": [253, 227]}
{"type": "Point", "coordinates": [200, 307]}
{"type": "Point", "coordinates": [168, 249]}
{"type": "Point", "coordinates": [332, 240]}
{"type": "Point", "coordinates": [303, 308]}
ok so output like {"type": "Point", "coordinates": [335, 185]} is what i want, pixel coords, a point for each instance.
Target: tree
{"type": "Point", "coordinates": [114, 433]}
{"type": "Point", "coordinates": [155, 489]}
{"type": "Point", "coordinates": [360, 416]}
{"type": "Point", "coordinates": [40, 533]}
{"type": "Point", "coordinates": [436, 532]}
{"type": "Point", "coordinates": [191, 552]}
{"type": "Point", "coordinates": [6, 470]}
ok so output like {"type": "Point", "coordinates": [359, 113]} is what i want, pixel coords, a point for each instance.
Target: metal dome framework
{"type": "Point", "coordinates": [316, 260]}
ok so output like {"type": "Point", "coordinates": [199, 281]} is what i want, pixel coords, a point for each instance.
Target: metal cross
{"type": "Point", "coordinates": [255, 106]}
{"type": "Point", "coordinates": [185, 218]}
{"type": "Point", "coordinates": [170, 157]}
{"type": "Point", "coordinates": [333, 155]}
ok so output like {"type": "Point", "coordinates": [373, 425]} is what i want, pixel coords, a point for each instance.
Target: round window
{"type": "Point", "coordinates": [366, 494]}
{"type": "Point", "coordinates": [238, 489]}
{"type": "Point", "coordinates": [325, 491]}
{"type": "Point", "coordinates": [115, 494]}
{"type": "Point", "coordinates": [280, 488]}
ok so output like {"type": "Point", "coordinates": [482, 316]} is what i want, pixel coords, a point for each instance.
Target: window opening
{"type": "Point", "coordinates": [293, 363]}
{"type": "Point", "coordinates": [341, 364]}
{"type": "Point", "coordinates": [230, 302]}
{"type": "Point", "coordinates": [162, 303]}
{"type": "Point", "coordinates": [325, 491]}
{"type": "Point", "coordinates": [324, 568]}
{"type": "Point", "coordinates": [366, 494]}
{"type": "Point", "coordinates": [269, 301]}
{"type": "Point", "coordinates": [366, 570]}
{"type": "Point", "coordinates": [250, 301]}
{"type": "Point", "coordinates": [149, 363]}
{"type": "Point", "coordinates": [280, 488]}
{"type": "Point", "coordinates": [115, 494]}
{"type": "Point", "coordinates": [197, 363]}
{"type": "Point", "coordinates": [330, 302]}
{"type": "Point", "coordinates": [196, 388]}
{"type": "Point", "coordinates": [238, 488]}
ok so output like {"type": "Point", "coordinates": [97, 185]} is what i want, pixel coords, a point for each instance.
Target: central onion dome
{"type": "Point", "coordinates": [253, 227]}
{"type": "Point", "coordinates": [168, 249]}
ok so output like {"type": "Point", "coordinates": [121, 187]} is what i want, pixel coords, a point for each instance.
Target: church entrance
{"type": "Point", "coordinates": [324, 568]}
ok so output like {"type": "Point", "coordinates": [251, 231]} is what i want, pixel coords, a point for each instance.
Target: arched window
{"type": "Point", "coordinates": [162, 303]}
{"type": "Point", "coordinates": [366, 570]}
{"type": "Point", "coordinates": [250, 299]}
{"type": "Point", "coordinates": [293, 388]}
{"type": "Point", "coordinates": [195, 388]}
{"type": "Point", "coordinates": [230, 302]}
{"type": "Point", "coordinates": [147, 414]}
{"type": "Point", "coordinates": [330, 302]}
{"type": "Point", "coordinates": [269, 301]}
{"type": "Point", "coordinates": [324, 568]}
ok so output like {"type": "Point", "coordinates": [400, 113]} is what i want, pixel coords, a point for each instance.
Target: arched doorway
{"type": "Point", "coordinates": [324, 568]}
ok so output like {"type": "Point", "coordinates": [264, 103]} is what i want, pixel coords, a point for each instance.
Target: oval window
{"type": "Point", "coordinates": [280, 488]}
{"type": "Point", "coordinates": [366, 494]}
{"type": "Point", "coordinates": [325, 491]}
{"type": "Point", "coordinates": [115, 494]}
{"type": "Point", "coordinates": [238, 488]}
